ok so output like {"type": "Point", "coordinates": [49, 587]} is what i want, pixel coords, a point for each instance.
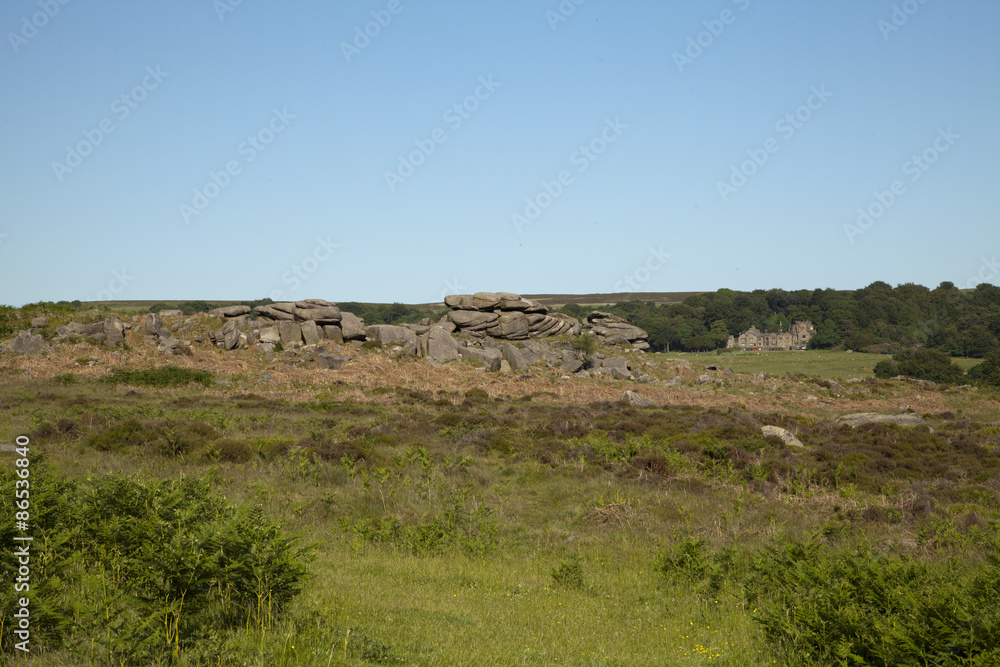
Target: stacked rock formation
{"type": "Point", "coordinates": [315, 319]}
{"type": "Point", "coordinates": [506, 316]}
{"type": "Point", "coordinates": [614, 330]}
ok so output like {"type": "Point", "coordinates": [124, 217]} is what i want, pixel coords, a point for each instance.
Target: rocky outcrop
{"type": "Point", "coordinates": [26, 342]}
{"type": "Point", "coordinates": [506, 316]}
{"type": "Point", "coordinates": [229, 311]}
{"type": "Point", "coordinates": [614, 330]}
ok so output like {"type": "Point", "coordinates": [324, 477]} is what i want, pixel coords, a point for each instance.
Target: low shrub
{"type": "Point", "coordinates": [165, 376]}
{"type": "Point", "coordinates": [569, 574]}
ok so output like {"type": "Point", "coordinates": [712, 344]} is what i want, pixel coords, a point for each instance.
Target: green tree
{"type": "Point", "coordinates": [988, 372]}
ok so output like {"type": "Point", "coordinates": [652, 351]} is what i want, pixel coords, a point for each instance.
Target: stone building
{"type": "Point", "coordinates": [797, 336]}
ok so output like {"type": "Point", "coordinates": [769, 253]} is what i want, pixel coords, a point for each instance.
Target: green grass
{"type": "Point", "coordinates": [823, 363]}
{"type": "Point", "coordinates": [526, 533]}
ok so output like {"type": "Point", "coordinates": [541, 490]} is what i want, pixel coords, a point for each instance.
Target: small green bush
{"type": "Point", "coordinates": [921, 364]}
{"type": "Point", "coordinates": [569, 574]}
{"type": "Point", "coordinates": [585, 342]}
{"type": "Point", "coordinates": [165, 376]}
{"type": "Point", "coordinates": [236, 451]}
{"type": "Point", "coordinates": [477, 395]}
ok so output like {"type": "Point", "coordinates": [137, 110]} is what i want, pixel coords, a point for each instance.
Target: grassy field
{"type": "Point", "coordinates": [467, 518]}
{"type": "Point", "coordinates": [823, 363]}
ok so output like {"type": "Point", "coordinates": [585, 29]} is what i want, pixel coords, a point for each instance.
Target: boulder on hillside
{"type": "Point", "coordinates": [114, 331]}
{"type": "Point", "coordinates": [490, 358]}
{"type": "Point", "coordinates": [514, 356]}
{"type": "Point", "coordinates": [636, 401]}
{"type": "Point", "coordinates": [229, 311]}
{"type": "Point", "coordinates": [784, 435]}
{"type": "Point", "coordinates": [607, 325]}
{"type": "Point", "coordinates": [270, 334]}
{"type": "Point", "coordinates": [438, 345]}
{"type": "Point", "coordinates": [472, 320]}
{"type": "Point", "coordinates": [289, 332]}
{"type": "Point", "coordinates": [862, 418]}
{"type": "Point", "coordinates": [151, 323]}
{"type": "Point", "coordinates": [352, 327]}
{"type": "Point", "coordinates": [171, 312]}
{"type": "Point", "coordinates": [26, 342]}
{"type": "Point", "coordinates": [512, 325]}
{"type": "Point", "coordinates": [387, 334]}
{"type": "Point", "coordinates": [331, 362]}
{"type": "Point", "coordinates": [273, 312]}
{"type": "Point", "coordinates": [311, 333]}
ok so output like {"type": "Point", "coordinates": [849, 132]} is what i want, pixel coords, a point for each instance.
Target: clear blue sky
{"type": "Point", "coordinates": [833, 99]}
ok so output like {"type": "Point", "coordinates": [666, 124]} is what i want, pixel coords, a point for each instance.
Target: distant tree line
{"type": "Point", "coordinates": [878, 318]}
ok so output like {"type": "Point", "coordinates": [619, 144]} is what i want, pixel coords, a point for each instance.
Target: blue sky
{"type": "Point", "coordinates": [240, 150]}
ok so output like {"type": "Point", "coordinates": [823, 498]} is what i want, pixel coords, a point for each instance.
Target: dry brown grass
{"type": "Point", "coordinates": [371, 369]}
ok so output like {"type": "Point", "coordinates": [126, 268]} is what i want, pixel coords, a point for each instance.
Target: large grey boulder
{"type": "Point", "coordinates": [782, 434]}
{"type": "Point", "coordinates": [171, 312]}
{"type": "Point", "coordinates": [472, 320]}
{"type": "Point", "coordinates": [229, 311]}
{"type": "Point", "coordinates": [862, 418]}
{"type": "Point", "coordinates": [151, 323]}
{"type": "Point", "coordinates": [490, 358]}
{"type": "Point", "coordinates": [311, 333]}
{"type": "Point", "coordinates": [514, 356]}
{"type": "Point", "coordinates": [616, 363]}
{"type": "Point", "coordinates": [512, 325]}
{"type": "Point", "coordinates": [352, 327]}
{"type": "Point", "coordinates": [39, 321]}
{"type": "Point", "coordinates": [27, 343]}
{"type": "Point", "coordinates": [606, 325]}
{"type": "Point", "coordinates": [290, 332]}
{"type": "Point", "coordinates": [636, 401]}
{"type": "Point", "coordinates": [441, 347]}
{"type": "Point", "coordinates": [319, 314]}
{"type": "Point", "coordinates": [336, 334]}
{"type": "Point", "coordinates": [331, 362]}
{"type": "Point", "coordinates": [114, 331]}
{"type": "Point", "coordinates": [270, 334]}
{"type": "Point", "coordinates": [275, 311]}
{"type": "Point", "coordinates": [230, 335]}
{"type": "Point", "coordinates": [387, 334]}
{"type": "Point", "coordinates": [168, 344]}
